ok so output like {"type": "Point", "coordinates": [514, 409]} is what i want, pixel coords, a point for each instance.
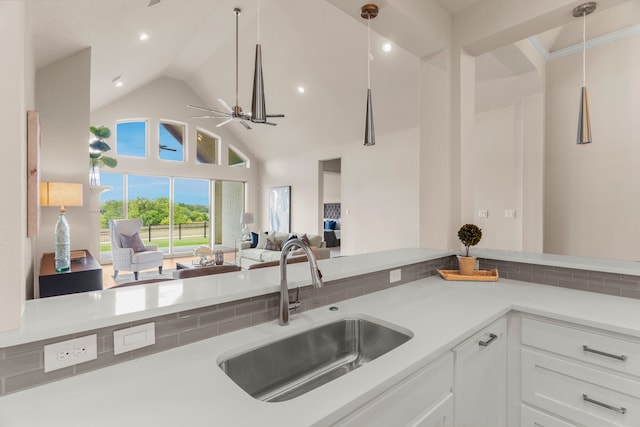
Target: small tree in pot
{"type": "Point", "coordinates": [469, 235]}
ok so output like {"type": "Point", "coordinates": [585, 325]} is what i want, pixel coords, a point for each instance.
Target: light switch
{"type": "Point", "coordinates": [133, 338]}
{"type": "Point", "coordinates": [510, 214]}
{"type": "Point", "coordinates": [483, 213]}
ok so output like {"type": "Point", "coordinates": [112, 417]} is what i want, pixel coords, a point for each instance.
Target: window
{"type": "Point", "coordinates": [237, 159]}
{"type": "Point", "coordinates": [148, 199]}
{"type": "Point", "coordinates": [207, 148]}
{"type": "Point", "coordinates": [131, 139]}
{"type": "Point", "coordinates": [191, 204]}
{"type": "Point", "coordinates": [178, 214]}
{"type": "Point", "coordinates": [171, 141]}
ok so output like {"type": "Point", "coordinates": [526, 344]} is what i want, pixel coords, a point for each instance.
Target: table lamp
{"type": "Point", "coordinates": [61, 194]}
{"type": "Point", "coordinates": [245, 219]}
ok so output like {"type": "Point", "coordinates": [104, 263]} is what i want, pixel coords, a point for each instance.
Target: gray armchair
{"type": "Point", "coordinates": [127, 259]}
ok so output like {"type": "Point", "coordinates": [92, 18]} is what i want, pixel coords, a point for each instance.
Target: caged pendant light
{"type": "Point", "coordinates": [584, 119]}
{"type": "Point", "coordinates": [368, 12]}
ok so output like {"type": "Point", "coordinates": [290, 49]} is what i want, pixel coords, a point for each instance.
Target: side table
{"type": "Point", "coordinates": [84, 275]}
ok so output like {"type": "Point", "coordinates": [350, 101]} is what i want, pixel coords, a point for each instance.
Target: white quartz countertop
{"type": "Point", "coordinates": [184, 386]}
{"type": "Point", "coordinates": [56, 316]}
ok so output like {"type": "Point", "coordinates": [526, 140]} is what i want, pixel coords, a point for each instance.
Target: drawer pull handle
{"type": "Point", "coordinates": [619, 410]}
{"type": "Point", "coordinates": [492, 338]}
{"type": "Point", "coordinates": [602, 353]}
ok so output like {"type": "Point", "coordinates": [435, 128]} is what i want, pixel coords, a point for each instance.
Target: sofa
{"type": "Point", "coordinates": [268, 247]}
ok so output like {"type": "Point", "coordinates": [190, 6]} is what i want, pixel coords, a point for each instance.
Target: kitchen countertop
{"type": "Point", "coordinates": [57, 316]}
{"type": "Point", "coordinates": [184, 386]}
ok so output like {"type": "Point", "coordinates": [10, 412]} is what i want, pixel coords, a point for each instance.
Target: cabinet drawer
{"type": "Point", "coordinates": [405, 402]}
{"type": "Point", "coordinates": [602, 350]}
{"type": "Point", "coordinates": [579, 393]}
{"type": "Point", "coordinates": [533, 418]}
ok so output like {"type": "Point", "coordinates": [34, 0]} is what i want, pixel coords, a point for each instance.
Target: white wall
{"type": "Point", "coordinates": [16, 93]}
{"type": "Point", "coordinates": [62, 99]}
{"type": "Point", "coordinates": [592, 197]}
{"type": "Point", "coordinates": [331, 187]}
{"type": "Point", "coordinates": [379, 192]}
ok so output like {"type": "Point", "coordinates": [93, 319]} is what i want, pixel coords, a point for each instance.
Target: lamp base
{"type": "Point", "coordinates": [63, 246]}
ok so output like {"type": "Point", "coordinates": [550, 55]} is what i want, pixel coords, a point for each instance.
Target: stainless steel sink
{"type": "Point", "coordinates": [288, 368]}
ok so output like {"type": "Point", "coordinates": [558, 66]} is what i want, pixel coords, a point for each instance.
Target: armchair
{"type": "Point", "coordinates": [143, 257]}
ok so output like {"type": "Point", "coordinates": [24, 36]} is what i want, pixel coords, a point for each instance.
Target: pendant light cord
{"type": "Point", "coordinates": [584, 49]}
{"type": "Point", "coordinates": [369, 52]}
{"type": "Point", "coordinates": [258, 21]}
{"type": "Point", "coordinates": [237, 13]}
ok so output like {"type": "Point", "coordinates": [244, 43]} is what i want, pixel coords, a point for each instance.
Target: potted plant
{"type": "Point", "coordinates": [469, 235]}
{"type": "Point", "coordinates": [97, 159]}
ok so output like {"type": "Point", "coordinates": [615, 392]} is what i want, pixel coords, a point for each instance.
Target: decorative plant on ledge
{"type": "Point", "coordinates": [97, 159]}
{"type": "Point", "coordinates": [469, 235]}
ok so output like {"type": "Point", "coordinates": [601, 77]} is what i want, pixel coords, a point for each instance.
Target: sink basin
{"type": "Point", "coordinates": [290, 367]}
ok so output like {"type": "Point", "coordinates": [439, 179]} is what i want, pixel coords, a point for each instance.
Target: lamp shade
{"type": "Point", "coordinates": [60, 194]}
{"type": "Point", "coordinates": [246, 218]}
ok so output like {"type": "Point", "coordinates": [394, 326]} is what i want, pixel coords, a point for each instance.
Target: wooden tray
{"type": "Point", "coordinates": [478, 275]}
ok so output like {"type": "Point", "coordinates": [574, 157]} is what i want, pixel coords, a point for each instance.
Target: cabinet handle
{"type": "Point", "coordinates": [619, 410]}
{"type": "Point", "coordinates": [602, 353]}
{"type": "Point", "coordinates": [492, 338]}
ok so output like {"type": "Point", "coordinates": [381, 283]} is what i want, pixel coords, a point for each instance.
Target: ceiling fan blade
{"type": "Point", "coordinates": [206, 109]}
{"type": "Point", "coordinates": [224, 123]}
{"type": "Point", "coordinates": [225, 105]}
{"type": "Point", "coordinates": [270, 123]}
{"type": "Point", "coordinates": [243, 123]}
{"type": "Point", "coordinates": [275, 115]}
{"type": "Point", "coordinates": [208, 117]}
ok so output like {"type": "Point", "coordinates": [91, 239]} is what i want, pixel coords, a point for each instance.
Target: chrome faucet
{"type": "Point", "coordinates": [316, 278]}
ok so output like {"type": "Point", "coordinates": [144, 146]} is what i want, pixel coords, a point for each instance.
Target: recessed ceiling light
{"type": "Point", "coordinates": [387, 47]}
{"type": "Point", "coordinates": [119, 83]}
{"type": "Point", "coordinates": [143, 36]}
{"type": "Point", "coordinates": [301, 89]}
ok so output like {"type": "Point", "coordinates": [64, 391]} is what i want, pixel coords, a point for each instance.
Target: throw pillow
{"type": "Point", "coordinates": [254, 239]}
{"type": "Point", "coordinates": [134, 242]}
{"type": "Point", "coordinates": [273, 245]}
{"type": "Point", "coordinates": [305, 239]}
{"type": "Point", "coordinates": [262, 240]}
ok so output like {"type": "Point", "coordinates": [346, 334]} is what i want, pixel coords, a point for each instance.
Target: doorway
{"type": "Point", "coordinates": [331, 203]}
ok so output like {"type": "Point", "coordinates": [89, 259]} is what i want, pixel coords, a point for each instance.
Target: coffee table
{"type": "Point", "coordinates": [185, 265]}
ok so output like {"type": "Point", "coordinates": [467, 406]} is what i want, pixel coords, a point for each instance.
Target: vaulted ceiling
{"type": "Point", "coordinates": [318, 44]}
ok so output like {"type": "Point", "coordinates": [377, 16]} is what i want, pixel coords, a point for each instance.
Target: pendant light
{"type": "Point", "coordinates": [368, 12]}
{"type": "Point", "coordinates": [584, 119]}
{"type": "Point", "coordinates": [258, 108]}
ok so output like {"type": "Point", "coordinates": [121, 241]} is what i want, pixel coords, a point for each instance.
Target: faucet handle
{"type": "Point", "coordinates": [295, 304]}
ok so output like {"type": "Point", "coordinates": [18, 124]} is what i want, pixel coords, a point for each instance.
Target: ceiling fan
{"type": "Point", "coordinates": [235, 113]}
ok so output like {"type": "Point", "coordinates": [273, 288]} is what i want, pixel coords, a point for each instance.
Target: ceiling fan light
{"type": "Point", "coordinates": [258, 109]}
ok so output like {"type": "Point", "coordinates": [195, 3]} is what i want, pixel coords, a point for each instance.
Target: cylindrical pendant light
{"type": "Point", "coordinates": [258, 109]}
{"type": "Point", "coordinates": [584, 118]}
{"type": "Point", "coordinates": [368, 12]}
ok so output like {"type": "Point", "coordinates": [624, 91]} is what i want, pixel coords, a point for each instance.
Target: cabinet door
{"type": "Point", "coordinates": [480, 378]}
{"type": "Point", "coordinates": [410, 401]}
{"type": "Point", "coordinates": [439, 416]}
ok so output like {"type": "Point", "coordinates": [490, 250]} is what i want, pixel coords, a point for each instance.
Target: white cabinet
{"type": "Point", "coordinates": [423, 399]}
{"type": "Point", "coordinates": [587, 377]}
{"type": "Point", "coordinates": [480, 378]}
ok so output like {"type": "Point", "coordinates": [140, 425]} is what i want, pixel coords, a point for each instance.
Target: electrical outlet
{"type": "Point", "coordinates": [395, 275]}
{"type": "Point", "coordinates": [68, 353]}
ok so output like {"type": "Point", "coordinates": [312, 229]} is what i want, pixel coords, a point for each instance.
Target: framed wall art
{"type": "Point", "coordinates": [33, 173]}
{"type": "Point", "coordinates": [280, 209]}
